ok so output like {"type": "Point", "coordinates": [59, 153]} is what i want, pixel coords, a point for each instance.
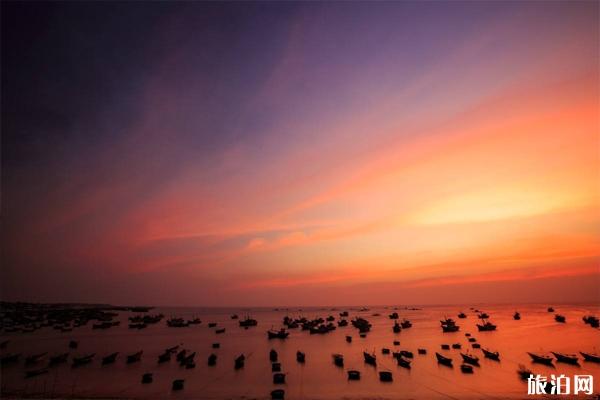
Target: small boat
{"type": "Point", "coordinates": [58, 359]}
{"type": "Point", "coordinates": [541, 359]}
{"type": "Point", "coordinates": [188, 361]}
{"type": "Point", "coordinates": [396, 328]}
{"type": "Point", "coordinates": [273, 355]}
{"type": "Point", "coordinates": [279, 378]}
{"type": "Point", "coordinates": [422, 351]}
{"type": "Point", "coordinates": [79, 361]}
{"type": "Point", "coordinates": [280, 334]}
{"type": "Point", "coordinates": [370, 358]}
{"type": "Point", "coordinates": [338, 360]}
{"type": "Point", "coordinates": [135, 357]}
{"type": "Point", "coordinates": [212, 359]}
{"type": "Point", "coordinates": [164, 357]}
{"type": "Point", "coordinates": [177, 384]}
{"type": "Point", "coordinates": [560, 318]}
{"type": "Point", "coordinates": [483, 315]}
{"type": "Point", "coordinates": [218, 331]}
{"type": "Point", "coordinates": [486, 326]}
{"type": "Point", "coordinates": [591, 320]}
{"type": "Point", "coordinates": [566, 358]}
{"type": "Point", "coordinates": [462, 315]}
{"type": "Point", "coordinates": [472, 340]}
{"type": "Point", "coordinates": [278, 394]}
{"type": "Point", "coordinates": [234, 316]}
{"type": "Point", "coordinates": [550, 309]}
{"type": "Point", "coordinates": [343, 322]}
{"type": "Point", "coordinates": [349, 339]}
{"type": "Point", "coordinates": [393, 315]}
{"type": "Point", "coordinates": [344, 314]}
{"type": "Point", "coordinates": [524, 373]}
{"type": "Point", "coordinates": [385, 376]}
{"type": "Point", "coordinates": [239, 362]}
{"type": "Point", "coordinates": [35, 372]}
{"type": "Point", "coordinates": [216, 345]}
{"type": "Point", "coordinates": [276, 367]}
{"type": "Point", "coordinates": [517, 316]}
{"type": "Point", "coordinates": [385, 351]}
{"type": "Point", "coordinates": [172, 350]}
{"type": "Point", "coordinates": [406, 353]}
{"type": "Point", "coordinates": [403, 362]}
{"type": "Point", "coordinates": [590, 357]}
{"type": "Point", "coordinates": [456, 345]}
{"type": "Point", "coordinates": [405, 324]}
{"type": "Point", "coordinates": [470, 359]}
{"type": "Point", "coordinates": [212, 324]}
{"type": "Point", "coordinates": [443, 360]}
{"type": "Point", "coordinates": [476, 345]}
{"type": "Point", "coordinates": [353, 375]}
{"type": "Point", "coordinates": [73, 344]}
{"type": "Point", "coordinates": [147, 377]}
{"type": "Point", "coordinates": [247, 322]}
{"type": "Point", "coordinates": [34, 358]}
{"type": "Point", "coordinates": [492, 355]}
{"type": "Point", "coordinates": [396, 343]}
{"type": "Point", "coordinates": [450, 328]}
{"type": "Point", "coordinates": [445, 347]}
{"type": "Point", "coordinates": [109, 359]}
{"type": "Point", "coordinates": [181, 355]}
{"type": "Point", "coordinates": [466, 369]}
{"type": "Point", "coordinates": [300, 357]}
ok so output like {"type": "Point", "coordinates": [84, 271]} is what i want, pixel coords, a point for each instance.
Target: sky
{"type": "Point", "coordinates": [272, 154]}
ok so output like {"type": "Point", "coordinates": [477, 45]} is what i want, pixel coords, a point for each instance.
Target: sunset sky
{"type": "Point", "coordinates": [301, 153]}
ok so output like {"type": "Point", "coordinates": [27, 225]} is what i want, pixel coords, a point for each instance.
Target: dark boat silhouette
{"type": "Point", "coordinates": [278, 394]}
{"type": "Point", "coordinates": [178, 384]}
{"type": "Point", "coordinates": [443, 360]}
{"type": "Point", "coordinates": [397, 328]}
{"type": "Point", "coordinates": [109, 359]}
{"type": "Point", "coordinates": [466, 369]}
{"type": "Point", "coordinates": [273, 355]}
{"type": "Point", "coordinates": [300, 357]}
{"type": "Point", "coordinates": [517, 316]}
{"type": "Point", "coordinates": [353, 375]}
{"type": "Point", "coordinates": [349, 339]}
{"type": "Point", "coordinates": [385, 376]}
{"type": "Point", "coordinates": [36, 372]}
{"type": "Point", "coordinates": [470, 359]}
{"type": "Point", "coordinates": [523, 372]}
{"type": "Point", "coordinates": [58, 359]}
{"type": "Point", "coordinates": [486, 326]}
{"type": "Point", "coordinates": [590, 357]}
{"type": "Point", "coordinates": [541, 359]}
{"type": "Point", "coordinates": [212, 359]}
{"type": "Point", "coordinates": [406, 324]}
{"type": "Point", "coordinates": [338, 360]}
{"type": "Point", "coordinates": [280, 334]}
{"type": "Point", "coordinates": [492, 355]}
{"type": "Point", "coordinates": [239, 362]}
{"type": "Point", "coordinates": [462, 315]}
{"type": "Point", "coordinates": [566, 358]}
{"type": "Point", "coordinates": [147, 377]}
{"type": "Point", "coordinates": [135, 357]}
{"type": "Point", "coordinates": [247, 322]}
{"type": "Point", "coordinates": [560, 318]}
{"type": "Point", "coordinates": [370, 359]}
{"type": "Point", "coordinates": [393, 315]}
{"type": "Point", "coordinates": [402, 362]}
{"type": "Point", "coordinates": [279, 378]}
{"type": "Point", "coordinates": [35, 358]}
{"type": "Point", "coordinates": [422, 351]}
{"type": "Point", "coordinates": [83, 360]}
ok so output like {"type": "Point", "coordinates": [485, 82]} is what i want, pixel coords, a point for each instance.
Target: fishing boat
{"type": "Point", "coordinates": [422, 351]}
{"type": "Point", "coordinates": [541, 359]}
{"type": "Point", "coordinates": [300, 357]}
{"type": "Point", "coordinates": [164, 357]}
{"type": "Point", "coordinates": [212, 324]}
{"type": "Point", "coordinates": [492, 355]}
{"type": "Point", "coordinates": [466, 369]}
{"type": "Point", "coordinates": [397, 328]}
{"type": "Point", "coordinates": [280, 334]}
{"type": "Point", "coordinates": [443, 360]}
{"type": "Point", "coordinates": [58, 359]}
{"type": "Point", "coordinates": [566, 358]}
{"type": "Point", "coordinates": [445, 347]}
{"type": "Point", "coordinates": [462, 315]}
{"type": "Point", "coordinates": [402, 362]}
{"type": "Point", "coordinates": [273, 355]}
{"type": "Point", "coordinates": [135, 357]}
{"type": "Point", "coordinates": [406, 353]}
{"type": "Point", "coordinates": [147, 377]}
{"type": "Point", "coordinates": [212, 359]}
{"type": "Point", "coordinates": [216, 345]}
{"type": "Point", "coordinates": [456, 345]}
{"type": "Point", "coordinates": [470, 359]}
{"type": "Point", "coordinates": [486, 326]}
{"type": "Point", "coordinates": [278, 394]}
{"type": "Point", "coordinates": [234, 316]}
{"type": "Point", "coordinates": [353, 375]}
{"type": "Point", "coordinates": [247, 322]}
{"type": "Point", "coordinates": [83, 360]}
{"type": "Point", "coordinates": [396, 343]}
{"type": "Point", "coordinates": [349, 339]}
{"type": "Point", "coordinates": [178, 384]}
{"type": "Point", "coordinates": [181, 355]}
{"type": "Point", "coordinates": [218, 331]}
{"type": "Point", "coordinates": [393, 315]}
{"type": "Point", "coordinates": [279, 378]}
{"type": "Point", "coordinates": [338, 359]}
{"type": "Point", "coordinates": [590, 357]}
{"type": "Point", "coordinates": [342, 322]}
{"type": "Point", "coordinates": [370, 358]}
{"type": "Point", "coordinates": [34, 358]}
{"type": "Point", "coordinates": [109, 359]}
{"type": "Point", "coordinates": [36, 372]}
{"type": "Point", "coordinates": [591, 320]}
{"type": "Point", "coordinates": [550, 309]}
{"type": "Point", "coordinates": [239, 362]}
{"type": "Point", "coordinates": [406, 324]}
{"type": "Point", "coordinates": [483, 315]}
{"type": "Point", "coordinates": [560, 318]}
{"type": "Point", "coordinates": [517, 316]}
{"type": "Point", "coordinates": [385, 376]}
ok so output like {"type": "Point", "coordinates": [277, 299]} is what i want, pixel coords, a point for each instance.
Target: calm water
{"type": "Point", "coordinates": [318, 378]}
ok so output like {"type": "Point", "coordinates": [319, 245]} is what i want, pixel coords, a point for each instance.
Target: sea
{"type": "Point", "coordinates": [317, 378]}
